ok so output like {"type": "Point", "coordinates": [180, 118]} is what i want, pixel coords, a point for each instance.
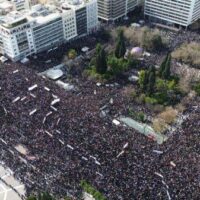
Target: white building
{"type": "Point", "coordinates": [69, 23]}
{"type": "Point", "coordinates": [111, 10]}
{"type": "Point", "coordinates": [178, 12]}
{"type": "Point", "coordinates": [79, 18]}
{"type": "Point", "coordinates": [13, 5]}
{"type": "Point", "coordinates": [30, 32]}
{"type": "Point", "coordinates": [47, 27]}
{"type": "Point", "coordinates": [5, 7]}
{"type": "Point", "coordinates": [16, 37]}
{"type": "Point", "coordinates": [92, 13]}
{"type": "Point", "coordinates": [20, 5]}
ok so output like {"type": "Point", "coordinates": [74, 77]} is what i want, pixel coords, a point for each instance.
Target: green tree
{"type": "Point", "coordinates": [117, 66]}
{"type": "Point", "coordinates": [72, 54]}
{"type": "Point", "coordinates": [153, 70]}
{"type": "Point", "coordinates": [162, 66]}
{"type": "Point", "coordinates": [167, 71]}
{"type": "Point", "coordinates": [157, 42]}
{"type": "Point", "coordinates": [151, 83]}
{"type": "Point", "coordinates": [197, 88]}
{"type": "Point", "coordinates": [151, 80]}
{"type": "Point", "coordinates": [143, 80]}
{"type": "Point", "coordinates": [120, 49]}
{"type": "Point", "coordinates": [101, 61]}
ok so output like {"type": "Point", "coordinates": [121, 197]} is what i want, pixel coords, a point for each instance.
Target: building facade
{"type": "Point", "coordinates": [178, 12]}
{"type": "Point", "coordinates": [16, 37]}
{"type": "Point", "coordinates": [43, 27]}
{"type": "Point", "coordinates": [21, 5]}
{"type": "Point", "coordinates": [13, 5]}
{"type": "Point", "coordinates": [111, 10]}
{"type": "Point", "coordinates": [47, 28]}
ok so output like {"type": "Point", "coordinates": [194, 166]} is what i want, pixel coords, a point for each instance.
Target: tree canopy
{"type": "Point", "coordinates": [165, 67]}
{"type": "Point", "coordinates": [101, 60]}
{"type": "Point", "coordinates": [120, 49]}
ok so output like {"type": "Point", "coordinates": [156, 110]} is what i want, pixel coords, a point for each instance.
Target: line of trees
{"type": "Point", "coordinates": [147, 79]}
{"type": "Point", "coordinates": [101, 58]}
{"type": "Point", "coordinates": [102, 61]}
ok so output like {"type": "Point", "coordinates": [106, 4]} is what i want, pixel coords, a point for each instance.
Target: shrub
{"type": "Point", "coordinates": [72, 54]}
{"type": "Point", "coordinates": [150, 100]}
{"type": "Point", "coordinates": [141, 98]}
{"type": "Point", "coordinates": [169, 115]}
{"type": "Point", "coordinates": [197, 88]}
{"type": "Point", "coordinates": [139, 116]}
{"type": "Point", "coordinates": [161, 97]}
{"type": "Point", "coordinates": [164, 119]}
{"type": "Point", "coordinates": [159, 125]}
{"type": "Point", "coordinates": [117, 65]}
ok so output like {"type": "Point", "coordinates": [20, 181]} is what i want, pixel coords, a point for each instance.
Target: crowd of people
{"type": "Point", "coordinates": [68, 140]}
{"type": "Point", "coordinates": [173, 40]}
{"type": "Point", "coordinates": [57, 55]}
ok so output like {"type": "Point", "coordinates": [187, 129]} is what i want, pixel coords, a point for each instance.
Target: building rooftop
{"type": "Point", "coordinates": [39, 14]}
{"type": "Point", "coordinates": [73, 4]}
{"type": "Point", "coordinates": [13, 19]}
{"type": "Point", "coordinates": [5, 5]}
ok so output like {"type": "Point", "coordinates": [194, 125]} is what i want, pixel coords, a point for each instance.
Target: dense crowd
{"type": "Point", "coordinates": [68, 140]}
{"type": "Point", "coordinates": [56, 55]}
{"type": "Point", "coordinates": [173, 40]}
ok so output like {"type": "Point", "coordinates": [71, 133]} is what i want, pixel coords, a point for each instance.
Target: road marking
{"type": "Point", "coordinates": [5, 196]}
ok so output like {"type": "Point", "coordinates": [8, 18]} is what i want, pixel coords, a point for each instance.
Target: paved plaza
{"type": "Point", "coordinates": [7, 183]}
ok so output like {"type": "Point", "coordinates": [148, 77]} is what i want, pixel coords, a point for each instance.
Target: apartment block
{"type": "Point", "coordinates": [111, 10]}
{"type": "Point", "coordinates": [178, 12]}
{"type": "Point", "coordinates": [13, 5]}
{"type": "Point", "coordinates": [43, 27]}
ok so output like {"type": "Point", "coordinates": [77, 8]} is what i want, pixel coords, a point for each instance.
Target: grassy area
{"type": "Point", "coordinates": [91, 190]}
